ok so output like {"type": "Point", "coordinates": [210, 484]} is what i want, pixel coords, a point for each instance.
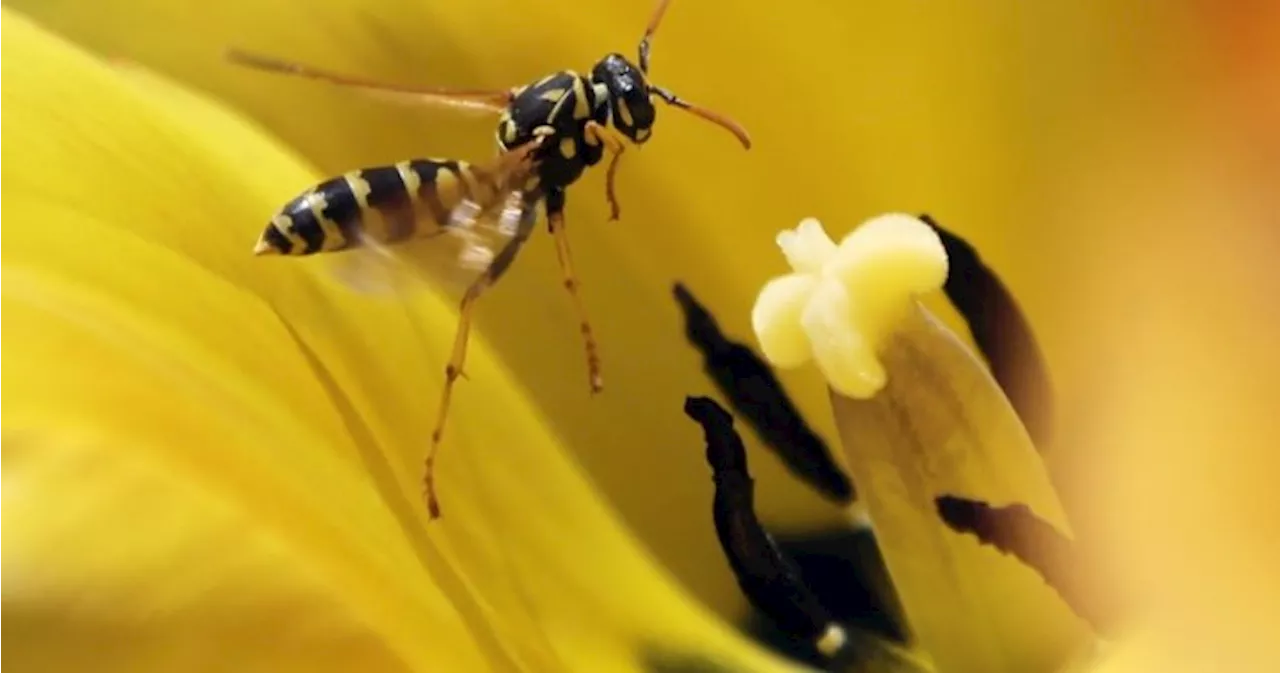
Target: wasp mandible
{"type": "Point", "coordinates": [560, 124]}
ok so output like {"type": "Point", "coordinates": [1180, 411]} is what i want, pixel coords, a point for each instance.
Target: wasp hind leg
{"type": "Point", "coordinates": [453, 370]}
{"type": "Point", "coordinates": [555, 220]}
{"type": "Point", "coordinates": [612, 141]}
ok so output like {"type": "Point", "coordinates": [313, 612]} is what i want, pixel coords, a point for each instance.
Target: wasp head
{"type": "Point", "coordinates": [629, 105]}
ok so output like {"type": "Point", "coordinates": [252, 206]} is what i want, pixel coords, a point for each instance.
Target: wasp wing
{"type": "Point", "coordinates": [449, 258]}
{"type": "Point", "coordinates": [490, 206]}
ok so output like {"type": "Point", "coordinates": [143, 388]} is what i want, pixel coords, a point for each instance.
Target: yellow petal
{"type": "Point", "coordinates": [776, 319]}
{"type": "Point", "coordinates": [148, 341]}
{"type": "Point", "coordinates": [941, 426]}
{"type": "Point", "coordinates": [212, 456]}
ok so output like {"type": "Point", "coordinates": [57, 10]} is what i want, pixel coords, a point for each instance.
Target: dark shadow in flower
{"type": "Point", "coordinates": [758, 397]}
{"type": "Point", "coordinates": [1017, 531]}
{"type": "Point", "coordinates": [844, 567]}
{"type": "Point", "coordinates": [830, 582]}
{"type": "Point", "coordinates": [1001, 332]}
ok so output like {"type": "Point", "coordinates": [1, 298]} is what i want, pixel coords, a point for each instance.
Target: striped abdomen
{"type": "Point", "coordinates": [386, 204]}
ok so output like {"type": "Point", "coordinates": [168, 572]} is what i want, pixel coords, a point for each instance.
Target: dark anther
{"type": "Point", "coordinates": [757, 396]}
{"type": "Point", "coordinates": [1017, 531]}
{"type": "Point", "coordinates": [768, 579]}
{"type": "Point", "coordinates": [1001, 333]}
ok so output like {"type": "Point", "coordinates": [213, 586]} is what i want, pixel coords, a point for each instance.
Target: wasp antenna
{"type": "Point", "coordinates": [645, 42]}
{"type": "Point", "coordinates": [714, 117]}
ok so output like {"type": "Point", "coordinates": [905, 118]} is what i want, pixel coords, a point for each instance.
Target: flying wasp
{"type": "Point", "coordinates": [548, 133]}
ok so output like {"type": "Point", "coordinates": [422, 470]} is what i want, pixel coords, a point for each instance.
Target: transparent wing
{"type": "Point", "coordinates": [448, 259]}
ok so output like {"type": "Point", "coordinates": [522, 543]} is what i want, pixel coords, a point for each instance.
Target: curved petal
{"type": "Point", "coordinates": [150, 355]}
{"type": "Point", "coordinates": [942, 427]}
{"type": "Point", "coordinates": [212, 458]}
{"type": "Point", "coordinates": [776, 319]}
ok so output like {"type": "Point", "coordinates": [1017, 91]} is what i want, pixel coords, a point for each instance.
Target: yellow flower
{"type": "Point", "coordinates": [213, 460]}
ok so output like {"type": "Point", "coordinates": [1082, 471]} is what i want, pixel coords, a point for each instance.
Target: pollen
{"type": "Point", "coordinates": [831, 640]}
{"type": "Point", "coordinates": [843, 301]}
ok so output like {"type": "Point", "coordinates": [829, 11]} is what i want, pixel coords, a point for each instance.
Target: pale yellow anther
{"type": "Point", "coordinates": [844, 300]}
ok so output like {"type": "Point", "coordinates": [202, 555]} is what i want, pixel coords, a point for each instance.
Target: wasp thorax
{"type": "Point", "coordinates": [632, 111]}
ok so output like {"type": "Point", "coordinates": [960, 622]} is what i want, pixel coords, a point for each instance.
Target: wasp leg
{"type": "Point", "coordinates": [612, 141]}
{"type": "Point", "coordinates": [452, 371]}
{"type": "Point", "coordinates": [555, 220]}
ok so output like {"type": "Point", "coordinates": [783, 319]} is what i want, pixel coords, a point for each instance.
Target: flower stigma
{"type": "Point", "coordinates": [841, 302]}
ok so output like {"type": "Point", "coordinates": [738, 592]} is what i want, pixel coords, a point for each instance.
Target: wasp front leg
{"type": "Point", "coordinates": [597, 133]}
{"type": "Point", "coordinates": [555, 220]}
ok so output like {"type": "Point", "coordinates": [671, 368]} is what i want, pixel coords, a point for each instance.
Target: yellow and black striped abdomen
{"type": "Point", "coordinates": [385, 204]}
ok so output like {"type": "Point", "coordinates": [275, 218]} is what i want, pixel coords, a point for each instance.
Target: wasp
{"type": "Point", "coordinates": [548, 133]}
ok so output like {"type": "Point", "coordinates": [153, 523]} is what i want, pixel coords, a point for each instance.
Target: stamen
{"type": "Point", "coordinates": [770, 581]}
{"type": "Point", "coordinates": [757, 396]}
{"type": "Point", "coordinates": [1017, 531]}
